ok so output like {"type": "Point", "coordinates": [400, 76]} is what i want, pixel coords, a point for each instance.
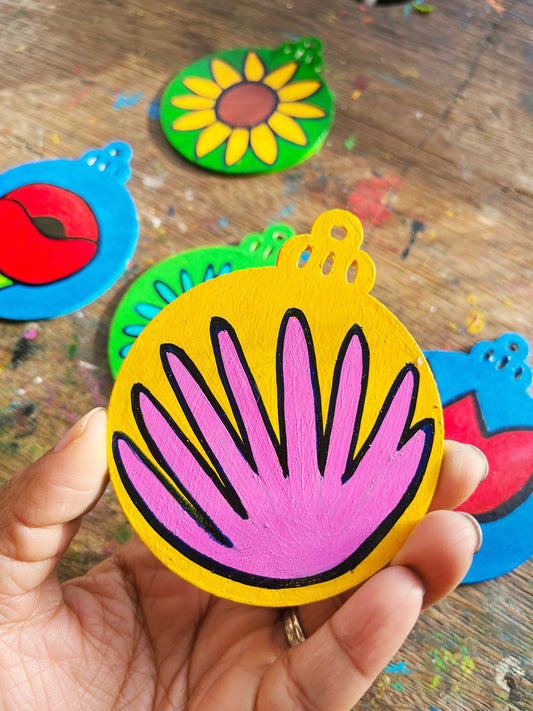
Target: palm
{"type": "Point", "coordinates": [130, 634]}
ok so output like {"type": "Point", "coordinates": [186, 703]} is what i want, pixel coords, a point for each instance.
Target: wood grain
{"type": "Point", "coordinates": [440, 135]}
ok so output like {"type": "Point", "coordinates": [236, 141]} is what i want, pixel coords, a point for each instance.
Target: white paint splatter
{"type": "Point", "coordinates": [506, 666]}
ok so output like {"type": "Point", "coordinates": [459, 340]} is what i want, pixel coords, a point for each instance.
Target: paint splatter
{"type": "Point", "coordinates": [475, 321]}
{"type": "Point", "coordinates": [526, 102]}
{"type": "Point", "coordinates": [496, 5]}
{"type": "Point", "coordinates": [350, 142]}
{"type": "Point", "coordinates": [416, 227]}
{"type": "Point", "coordinates": [73, 348]}
{"type": "Point", "coordinates": [396, 686]}
{"type": "Point", "coordinates": [123, 532]}
{"type": "Point", "coordinates": [399, 668]}
{"type": "Point", "coordinates": [358, 86]}
{"type": "Point", "coordinates": [366, 201]}
{"type": "Point", "coordinates": [419, 6]}
{"type": "Point", "coordinates": [123, 101]}
{"type": "Point", "coordinates": [24, 348]}
{"type": "Point", "coordinates": [88, 370]}
{"type": "Point", "coordinates": [18, 420]}
{"type": "Point", "coordinates": [154, 110]}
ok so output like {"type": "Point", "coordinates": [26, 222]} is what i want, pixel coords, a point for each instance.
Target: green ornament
{"type": "Point", "coordinates": [250, 110]}
{"type": "Point", "coordinates": [161, 284]}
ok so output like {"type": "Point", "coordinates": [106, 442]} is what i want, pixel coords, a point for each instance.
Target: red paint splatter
{"type": "Point", "coordinates": [359, 84]}
{"type": "Point", "coordinates": [366, 201]}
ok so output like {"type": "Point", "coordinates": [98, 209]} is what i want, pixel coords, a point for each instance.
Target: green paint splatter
{"type": "Point", "coordinates": [435, 681]}
{"type": "Point", "coordinates": [419, 7]}
{"type": "Point", "coordinates": [350, 142]}
{"type": "Point", "coordinates": [436, 660]}
{"type": "Point", "coordinates": [123, 532]}
{"type": "Point", "coordinates": [72, 349]}
{"type": "Point", "coordinates": [397, 686]}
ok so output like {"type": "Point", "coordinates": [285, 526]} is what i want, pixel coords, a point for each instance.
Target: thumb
{"type": "Point", "coordinates": [41, 510]}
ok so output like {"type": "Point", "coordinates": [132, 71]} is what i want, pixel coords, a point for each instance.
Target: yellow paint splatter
{"type": "Point", "coordinates": [435, 681]}
{"type": "Point", "coordinates": [356, 94]}
{"type": "Point", "coordinates": [467, 665]}
{"type": "Point", "coordinates": [472, 299]}
{"type": "Point", "coordinates": [449, 213]}
{"type": "Point", "coordinates": [55, 139]}
{"type": "Point", "coordinates": [431, 234]}
{"type": "Point", "coordinates": [475, 322]}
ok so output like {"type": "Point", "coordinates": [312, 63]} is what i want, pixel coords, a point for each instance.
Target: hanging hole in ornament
{"type": "Point", "coordinates": [268, 251]}
{"type": "Point", "coordinates": [304, 257]}
{"type": "Point", "coordinates": [513, 347]}
{"type": "Point", "coordinates": [518, 373]}
{"type": "Point", "coordinates": [278, 235]}
{"type": "Point", "coordinates": [113, 152]}
{"type": "Point", "coordinates": [254, 246]}
{"type": "Point", "coordinates": [502, 362]}
{"type": "Point", "coordinates": [91, 160]}
{"type": "Point", "coordinates": [102, 167]}
{"type": "Point", "coordinates": [351, 273]}
{"type": "Point", "coordinates": [488, 355]}
{"type": "Point", "coordinates": [327, 264]}
{"type": "Point", "coordinates": [338, 233]}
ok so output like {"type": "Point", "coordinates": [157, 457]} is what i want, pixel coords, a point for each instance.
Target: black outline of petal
{"type": "Point", "coordinates": [190, 507]}
{"type": "Point", "coordinates": [224, 486]}
{"type": "Point", "coordinates": [218, 325]}
{"type": "Point", "coordinates": [355, 330]}
{"type": "Point", "coordinates": [299, 315]}
{"type": "Point", "coordinates": [368, 545]}
{"type": "Point", "coordinates": [428, 425]}
{"type": "Point", "coordinates": [229, 492]}
{"type": "Point", "coordinates": [518, 498]}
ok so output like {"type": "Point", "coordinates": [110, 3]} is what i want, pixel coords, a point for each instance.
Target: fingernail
{"type": "Point", "coordinates": [76, 431]}
{"type": "Point", "coordinates": [477, 528]}
{"type": "Point", "coordinates": [485, 461]}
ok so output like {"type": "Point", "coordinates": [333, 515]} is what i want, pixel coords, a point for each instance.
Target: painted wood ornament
{"type": "Point", "coordinates": [69, 227]}
{"type": "Point", "coordinates": [250, 110]}
{"type": "Point", "coordinates": [486, 403]}
{"type": "Point", "coordinates": [275, 434]}
{"type": "Point", "coordinates": [164, 282]}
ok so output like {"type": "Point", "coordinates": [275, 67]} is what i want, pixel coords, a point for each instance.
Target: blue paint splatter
{"type": "Point", "coordinates": [433, 708]}
{"type": "Point", "coordinates": [153, 110]}
{"type": "Point", "coordinates": [286, 211]}
{"type": "Point", "coordinates": [223, 222]}
{"type": "Point", "coordinates": [126, 102]}
{"type": "Point", "coordinates": [400, 668]}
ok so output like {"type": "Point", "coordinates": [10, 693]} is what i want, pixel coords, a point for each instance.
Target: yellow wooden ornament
{"type": "Point", "coordinates": [275, 434]}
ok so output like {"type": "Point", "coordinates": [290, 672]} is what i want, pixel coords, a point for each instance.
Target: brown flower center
{"type": "Point", "coordinates": [246, 104]}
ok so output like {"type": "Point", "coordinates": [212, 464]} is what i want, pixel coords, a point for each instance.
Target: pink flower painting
{"type": "Point", "coordinates": [265, 509]}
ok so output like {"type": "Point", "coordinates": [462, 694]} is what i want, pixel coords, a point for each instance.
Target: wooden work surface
{"type": "Point", "coordinates": [432, 140]}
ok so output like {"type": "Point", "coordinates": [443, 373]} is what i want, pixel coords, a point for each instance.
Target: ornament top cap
{"type": "Point", "coordinates": [112, 162]}
{"type": "Point", "coordinates": [332, 249]}
{"type": "Point", "coordinates": [507, 356]}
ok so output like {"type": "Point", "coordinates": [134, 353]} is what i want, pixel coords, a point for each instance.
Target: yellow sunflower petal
{"type": "Point", "coordinates": [194, 120]}
{"type": "Point", "coordinates": [253, 67]}
{"type": "Point", "coordinates": [237, 145]}
{"type": "Point", "coordinates": [203, 87]}
{"type": "Point", "coordinates": [224, 74]}
{"type": "Point", "coordinates": [280, 76]}
{"type": "Point", "coordinates": [192, 102]}
{"type": "Point", "coordinates": [264, 143]}
{"type": "Point", "coordinates": [297, 90]}
{"type": "Point", "coordinates": [298, 110]}
{"type": "Point", "coordinates": [211, 137]}
{"type": "Point", "coordinates": [287, 128]}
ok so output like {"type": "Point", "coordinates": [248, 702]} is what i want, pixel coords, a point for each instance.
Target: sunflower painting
{"type": "Point", "coordinates": [250, 110]}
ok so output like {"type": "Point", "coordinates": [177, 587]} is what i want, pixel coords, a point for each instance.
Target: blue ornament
{"type": "Point", "coordinates": [67, 231]}
{"type": "Point", "coordinates": [489, 385]}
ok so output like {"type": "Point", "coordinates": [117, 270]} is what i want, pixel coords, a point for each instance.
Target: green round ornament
{"type": "Point", "coordinates": [250, 110]}
{"type": "Point", "coordinates": [165, 281]}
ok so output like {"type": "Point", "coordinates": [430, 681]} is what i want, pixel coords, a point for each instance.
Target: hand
{"type": "Point", "coordinates": [131, 635]}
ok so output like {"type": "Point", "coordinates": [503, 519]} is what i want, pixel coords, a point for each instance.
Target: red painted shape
{"type": "Point", "coordinates": [27, 254]}
{"type": "Point", "coordinates": [366, 201]}
{"type": "Point", "coordinates": [510, 455]}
